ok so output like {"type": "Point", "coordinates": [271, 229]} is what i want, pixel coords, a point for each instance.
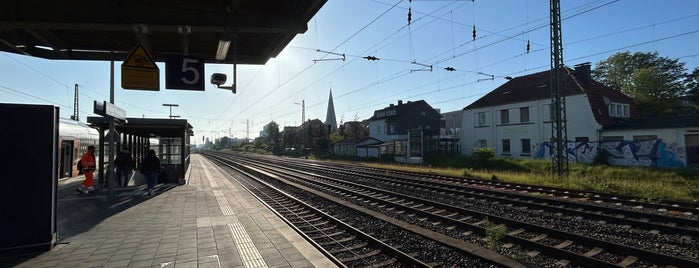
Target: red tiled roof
{"type": "Point", "coordinates": [536, 87]}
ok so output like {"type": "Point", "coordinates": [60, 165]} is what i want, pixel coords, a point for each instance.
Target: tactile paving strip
{"type": "Point", "coordinates": [248, 252]}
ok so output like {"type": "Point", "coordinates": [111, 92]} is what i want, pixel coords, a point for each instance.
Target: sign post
{"type": "Point", "coordinates": [112, 113]}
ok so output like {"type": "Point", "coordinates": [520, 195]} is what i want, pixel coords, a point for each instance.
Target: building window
{"type": "Point", "coordinates": [613, 138]}
{"type": "Point", "coordinates": [505, 116]}
{"type": "Point", "coordinates": [644, 137]}
{"type": "Point", "coordinates": [526, 146]}
{"type": "Point", "coordinates": [618, 110]}
{"type": "Point", "coordinates": [505, 146]}
{"type": "Point", "coordinates": [481, 119]}
{"type": "Point", "coordinates": [582, 139]}
{"type": "Point", "coordinates": [524, 114]}
{"type": "Point", "coordinates": [482, 143]}
{"type": "Point", "coordinates": [611, 109]}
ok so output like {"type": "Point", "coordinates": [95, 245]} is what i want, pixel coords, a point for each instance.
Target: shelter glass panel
{"type": "Point", "coordinates": [170, 150]}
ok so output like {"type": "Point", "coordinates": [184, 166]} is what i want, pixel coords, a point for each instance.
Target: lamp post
{"type": "Point", "coordinates": [171, 105]}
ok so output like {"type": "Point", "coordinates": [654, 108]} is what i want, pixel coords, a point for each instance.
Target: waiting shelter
{"type": "Point", "coordinates": [168, 137]}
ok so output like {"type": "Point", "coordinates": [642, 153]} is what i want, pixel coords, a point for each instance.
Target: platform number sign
{"type": "Point", "coordinates": [183, 72]}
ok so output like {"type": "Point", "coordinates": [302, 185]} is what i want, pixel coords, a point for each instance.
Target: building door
{"type": "Point", "coordinates": [692, 144]}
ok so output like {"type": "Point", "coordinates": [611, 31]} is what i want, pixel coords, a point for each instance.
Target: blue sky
{"type": "Point", "coordinates": [440, 34]}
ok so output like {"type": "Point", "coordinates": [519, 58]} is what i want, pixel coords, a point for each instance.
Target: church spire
{"type": "Point", "coordinates": [330, 116]}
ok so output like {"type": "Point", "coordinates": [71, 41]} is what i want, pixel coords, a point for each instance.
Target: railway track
{"type": "Point", "coordinates": [652, 222]}
{"type": "Point", "coordinates": [537, 238]}
{"type": "Point", "coordinates": [666, 207]}
{"type": "Point", "coordinates": [384, 246]}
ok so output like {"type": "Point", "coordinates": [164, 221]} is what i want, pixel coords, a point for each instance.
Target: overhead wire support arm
{"type": "Point", "coordinates": [427, 67]}
{"type": "Point", "coordinates": [492, 77]}
{"type": "Point", "coordinates": [333, 53]}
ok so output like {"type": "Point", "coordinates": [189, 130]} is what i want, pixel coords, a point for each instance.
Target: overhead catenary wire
{"type": "Point", "coordinates": [541, 26]}
{"type": "Point", "coordinates": [383, 79]}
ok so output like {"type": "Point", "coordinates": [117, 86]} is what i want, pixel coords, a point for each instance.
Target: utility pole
{"type": "Point", "coordinates": [303, 111]}
{"type": "Point", "coordinates": [559, 133]}
{"type": "Point", "coordinates": [247, 129]}
{"type": "Point", "coordinates": [76, 115]}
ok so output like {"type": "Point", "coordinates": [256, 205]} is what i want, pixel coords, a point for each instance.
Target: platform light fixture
{"type": "Point", "coordinates": [222, 50]}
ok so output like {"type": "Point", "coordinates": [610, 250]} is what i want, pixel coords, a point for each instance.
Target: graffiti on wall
{"type": "Point", "coordinates": [649, 153]}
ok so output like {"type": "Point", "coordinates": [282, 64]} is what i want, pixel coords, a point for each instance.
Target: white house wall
{"type": "Point", "coordinates": [580, 120]}
{"type": "Point", "coordinates": [580, 123]}
{"type": "Point", "coordinates": [668, 149]}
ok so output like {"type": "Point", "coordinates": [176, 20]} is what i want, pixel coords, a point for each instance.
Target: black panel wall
{"type": "Point", "coordinates": [28, 181]}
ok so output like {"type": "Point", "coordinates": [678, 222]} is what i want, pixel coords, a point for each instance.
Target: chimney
{"type": "Point", "coordinates": [583, 72]}
{"type": "Point", "coordinates": [400, 102]}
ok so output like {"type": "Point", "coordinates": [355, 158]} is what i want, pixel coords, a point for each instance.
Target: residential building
{"type": "Point", "coordinates": [450, 132]}
{"type": "Point", "coordinates": [515, 118]}
{"type": "Point", "coordinates": [394, 122]}
{"type": "Point", "coordinates": [404, 128]}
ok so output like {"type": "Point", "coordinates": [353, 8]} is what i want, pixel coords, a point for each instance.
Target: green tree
{"type": "Point", "coordinates": [335, 137]}
{"type": "Point", "coordinates": [355, 130]}
{"type": "Point", "coordinates": [273, 137]}
{"type": "Point", "coordinates": [222, 143]}
{"type": "Point", "coordinates": [656, 83]}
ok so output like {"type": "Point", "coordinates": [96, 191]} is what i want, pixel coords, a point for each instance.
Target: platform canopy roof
{"type": "Point", "coordinates": [146, 127]}
{"type": "Point", "coordinates": [110, 29]}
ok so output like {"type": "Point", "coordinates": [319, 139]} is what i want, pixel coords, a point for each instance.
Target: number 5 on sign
{"type": "Point", "coordinates": [183, 72]}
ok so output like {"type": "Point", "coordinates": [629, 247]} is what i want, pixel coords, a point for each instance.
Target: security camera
{"type": "Point", "coordinates": [218, 79]}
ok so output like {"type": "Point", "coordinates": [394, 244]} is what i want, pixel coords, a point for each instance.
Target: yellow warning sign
{"type": "Point", "coordinates": [139, 57]}
{"type": "Point", "coordinates": [139, 71]}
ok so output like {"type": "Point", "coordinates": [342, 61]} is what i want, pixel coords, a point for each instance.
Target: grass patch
{"type": "Point", "coordinates": [647, 183]}
{"type": "Point", "coordinates": [494, 232]}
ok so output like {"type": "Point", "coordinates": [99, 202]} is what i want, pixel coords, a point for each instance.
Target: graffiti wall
{"type": "Point", "coordinates": [649, 153]}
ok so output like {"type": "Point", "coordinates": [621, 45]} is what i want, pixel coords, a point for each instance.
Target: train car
{"type": "Point", "coordinates": [73, 137]}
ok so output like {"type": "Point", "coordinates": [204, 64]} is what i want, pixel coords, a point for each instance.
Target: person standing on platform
{"type": "Point", "coordinates": [124, 165]}
{"type": "Point", "coordinates": [151, 169]}
{"type": "Point", "coordinates": [88, 163]}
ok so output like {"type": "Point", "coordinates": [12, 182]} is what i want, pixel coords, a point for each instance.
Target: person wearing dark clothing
{"type": "Point", "coordinates": [124, 165]}
{"type": "Point", "coordinates": [150, 166]}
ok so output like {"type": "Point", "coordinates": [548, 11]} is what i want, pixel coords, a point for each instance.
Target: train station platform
{"type": "Point", "coordinates": [210, 221]}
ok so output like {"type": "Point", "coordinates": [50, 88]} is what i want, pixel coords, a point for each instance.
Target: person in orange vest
{"type": "Point", "coordinates": [88, 163]}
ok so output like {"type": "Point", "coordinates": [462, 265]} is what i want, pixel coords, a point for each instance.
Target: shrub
{"type": "Point", "coordinates": [484, 153]}
{"type": "Point", "coordinates": [494, 232]}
